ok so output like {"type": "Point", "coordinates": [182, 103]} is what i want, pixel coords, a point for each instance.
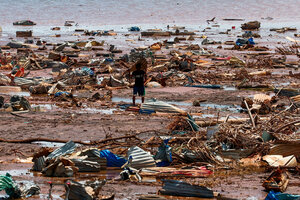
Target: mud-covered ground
{"type": "Point", "coordinates": [105, 120]}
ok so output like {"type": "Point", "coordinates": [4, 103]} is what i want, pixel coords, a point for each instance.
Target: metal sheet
{"type": "Point", "coordinates": [39, 164]}
{"type": "Point", "coordinates": [86, 165]}
{"type": "Point", "coordinates": [285, 149]}
{"type": "Point", "coordinates": [160, 106]}
{"type": "Point", "coordinates": [68, 148]}
{"type": "Point", "coordinates": [20, 81]}
{"type": "Point", "coordinates": [140, 158]}
{"type": "Point", "coordinates": [181, 188]}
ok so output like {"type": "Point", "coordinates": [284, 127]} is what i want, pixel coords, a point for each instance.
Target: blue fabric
{"type": "Point", "coordinates": [251, 41]}
{"type": "Point", "coordinates": [281, 196]}
{"type": "Point", "coordinates": [124, 106]}
{"type": "Point", "coordinates": [112, 159]}
{"type": "Point", "coordinates": [146, 111]}
{"type": "Point", "coordinates": [57, 94]}
{"type": "Point", "coordinates": [272, 195]}
{"type": "Point", "coordinates": [285, 196]}
{"type": "Point", "coordinates": [241, 42]}
{"type": "Point", "coordinates": [108, 60]}
{"type": "Point", "coordinates": [87, 71]}
{"type": "Point", "coordinates": [163, 164]}
{"type": "Point", "coordinates": [134, 28]}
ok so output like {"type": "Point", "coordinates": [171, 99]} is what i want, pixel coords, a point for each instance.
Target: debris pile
{"type": "Point", "coordinates": [16, 190]}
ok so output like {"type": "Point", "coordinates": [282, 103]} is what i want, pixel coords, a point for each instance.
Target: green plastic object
{"type": "Point", "coordinates": [9, 185]}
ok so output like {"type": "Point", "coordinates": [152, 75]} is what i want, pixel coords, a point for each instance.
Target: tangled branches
{"type": "Point", "coordinates": [293, 49]}
{"type": "Point", "coordinates": [179, 124]}
{"type": "Point", "coordinates": [261, 62]}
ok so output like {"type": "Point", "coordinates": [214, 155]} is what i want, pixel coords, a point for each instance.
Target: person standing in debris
{"type": "Point", "coordinates": [140, 78]}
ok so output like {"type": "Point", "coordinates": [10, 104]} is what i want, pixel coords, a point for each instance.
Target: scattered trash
{"type": "Point", "coordinates": [283, 30]}
{"type": "Point", "coordinates": [134, 28]}
{"type": "Point", "coordinates": [236, 62]}
{"type": "Point", "coordinates": [18, 189]}
{"type": "Point", "coordinates": [233, 19]}
{"type": "Point", "coordinates": [15, 44]}
{"type": "Point", "coordinates": [24, 23]}
{"type": "Point", "coordinates": [160, 106]}
{"type": "Point", "coordinates": [24, 33]}
{"type": "Point", "coordinates": [88, 190]}
{"type": "Point", "coordinates": [151, 197]}
{"type": "Point", "coordinates": [285, 149]}
{"type": "Point", "coordinates": [281, 196]}
{"type": "Point", "coordinates": [55, 28]}
{"type": "Point", "coordinates": [112, 159]}
{"type": "Point", "coordinates": [181, 188]}
{"type": "Point", "coordinates": [68, 148]}
{"type": "Point", "coordinates": [76, 83]}
{"type": "Point", "coordinates": [1, 101]}
{"type": "Point", "coordinates": [138, 158]}
{"type": "Point", "coordinates": [164, 154]}
{"type": "Point", "coordinates": [241, 42]}
{"type": "Point", "coordinates": [155, 34]}
{"type": "Point", "coordinates": [206, 86]}
{"type": "Point", "coordinates": [253, 25]}
{"type": "Point", "coordinates": [60, 167]}
{"type": "Point", "coordinates": [153, 84]}
{"type": "Point", "coordinates": [280, 161]}
{"type": "Point", "coordinates": [69, 23]}
{"type": "Point", "coordinates": [277, 181]}
{"type": "Point", "coordinates": [19, 103]}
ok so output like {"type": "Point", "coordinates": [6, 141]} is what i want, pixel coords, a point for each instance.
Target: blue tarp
{"type": "Point", "coordinates": [281, 196]}
{"type": "Point", "coordinates": [124, 106]}
{"type": "Point", "coordinates": [134, 28]}
{"type": "Point", "coordinates": [241, 42]}
{"type": "Point", "coordinates": [112, 159]}
{"type": "Point", "coordinates": [146, 111]}
{"type": "Point", "coordinates": [57, 94]}
{"type": "Point", "coordinates": [108, 60]}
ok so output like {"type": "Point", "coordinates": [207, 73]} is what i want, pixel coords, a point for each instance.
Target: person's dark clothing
{"type": "Point", "coordinates": [139, 76]}
{"type": "Point", "coordinates": [140, 90]}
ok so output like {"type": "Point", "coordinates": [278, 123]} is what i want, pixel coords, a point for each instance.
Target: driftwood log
{"type": "Point", "coordinates": [30, 140]}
